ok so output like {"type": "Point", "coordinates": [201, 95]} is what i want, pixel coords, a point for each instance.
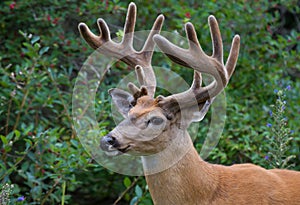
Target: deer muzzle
{"type": "Point", "coordinates": [110, 145]}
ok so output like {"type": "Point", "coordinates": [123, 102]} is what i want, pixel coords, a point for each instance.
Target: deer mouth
{"type": "Point", "coordinates": [124, 150]}
{"type": "Point", "coordinates": [112, 151]}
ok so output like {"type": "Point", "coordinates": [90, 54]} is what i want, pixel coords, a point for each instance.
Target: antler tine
{"type": "Point", "coordinates": [216, 39]}
{"type": "Point", "coordinates": [93, 40]}
{"type": "Point", "coordinates": [135, 91]}
{"type": "Point", "coordinates": [140, 74]}
{"type": "Point", "coordinates": [129, 25]}
{"type": "Point", "coordinates": [124, 50]}
{"type": "Point", "coordinates": [149, 45]}
{"type": "Point", "coordinates": [195, 58]}
{"type": "Point", "coordinates": [197, 81]}
{"type": "Point", "coordinates": [233, 55]}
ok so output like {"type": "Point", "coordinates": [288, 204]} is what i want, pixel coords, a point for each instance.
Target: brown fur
{"type": "Point", "coordinates": [192, 181]}
{"type": "Point", "coordinates": [145, 104]}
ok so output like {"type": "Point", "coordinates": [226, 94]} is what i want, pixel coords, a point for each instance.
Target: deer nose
{"type": "Point", "coordinates": [107, 141]}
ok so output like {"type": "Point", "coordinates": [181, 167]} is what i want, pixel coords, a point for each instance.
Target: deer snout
{"type": "Point", "coordinates": [111, 146]}
{"type": "Point", "coordinates": [109, 142]}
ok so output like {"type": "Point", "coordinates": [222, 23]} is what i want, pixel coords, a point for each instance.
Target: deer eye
{"type": "Point", "coordinates": [156, 120]}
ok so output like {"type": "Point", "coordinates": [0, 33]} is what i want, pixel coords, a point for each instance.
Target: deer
{"type": "Point", "coordinates": [155, 128]}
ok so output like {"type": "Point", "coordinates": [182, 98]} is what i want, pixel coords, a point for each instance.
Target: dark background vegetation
{"type": "Point", "coordinates": [41, 53]}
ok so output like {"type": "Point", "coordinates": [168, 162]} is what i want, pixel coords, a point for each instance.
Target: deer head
{"type": "Point", "coordinates": [151, 123]}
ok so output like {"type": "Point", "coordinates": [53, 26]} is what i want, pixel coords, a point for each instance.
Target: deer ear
{"type": "Point", "coordinates": [122, 99]}
{"type": "Point", "coordinates": [198, 116]}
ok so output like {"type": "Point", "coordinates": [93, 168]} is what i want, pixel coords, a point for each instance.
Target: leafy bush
{"type": "Point", "coordinates": [41, 53]}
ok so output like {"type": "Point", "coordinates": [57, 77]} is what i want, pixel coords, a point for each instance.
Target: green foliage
{"type": "Point", "coordinates": [41, 53]}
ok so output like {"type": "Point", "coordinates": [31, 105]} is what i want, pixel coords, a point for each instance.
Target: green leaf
{"type": "Point", "coordinates": [27, 128]}
{"type": "Point", "coordinates": [74, 142]}
{"type": "Point", "coordinates": [43, 50]}
{"type": "Point", "coordinates": [28, 144]}
{"type": "Point", "coordinates": [25, 165]}
{"type": "Point", "coordinates": [23, 33]}
{"type": "Point", "coordinates": [138, 191]}
{"type": "Point", "coordinates": [36, 47]}
{"type": "Point", "coordinates": [32, 156]}
{"type": "Point", "coordinates": [134, 200]}
{"type": "Point", "coordinates": [4, 140]}
{"type": "Point", "coordinates": [27, 45]}
{"type": "Point", "coordinates": [17, 134]}
{"type": "Point", "coordinates": [34, 39]}
{"type": "Point", "coordinates": [127, 182]}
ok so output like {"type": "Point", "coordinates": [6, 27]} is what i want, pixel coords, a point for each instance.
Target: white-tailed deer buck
{"type": "Point", "coordinates": [162, 124]}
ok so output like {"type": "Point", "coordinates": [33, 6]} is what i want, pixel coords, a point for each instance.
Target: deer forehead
{"type": "Point", "coordinates": [144, 105]}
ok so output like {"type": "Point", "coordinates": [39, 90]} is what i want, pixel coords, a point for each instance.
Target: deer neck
{"type": "Point", "coordinates": [178, 175]}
